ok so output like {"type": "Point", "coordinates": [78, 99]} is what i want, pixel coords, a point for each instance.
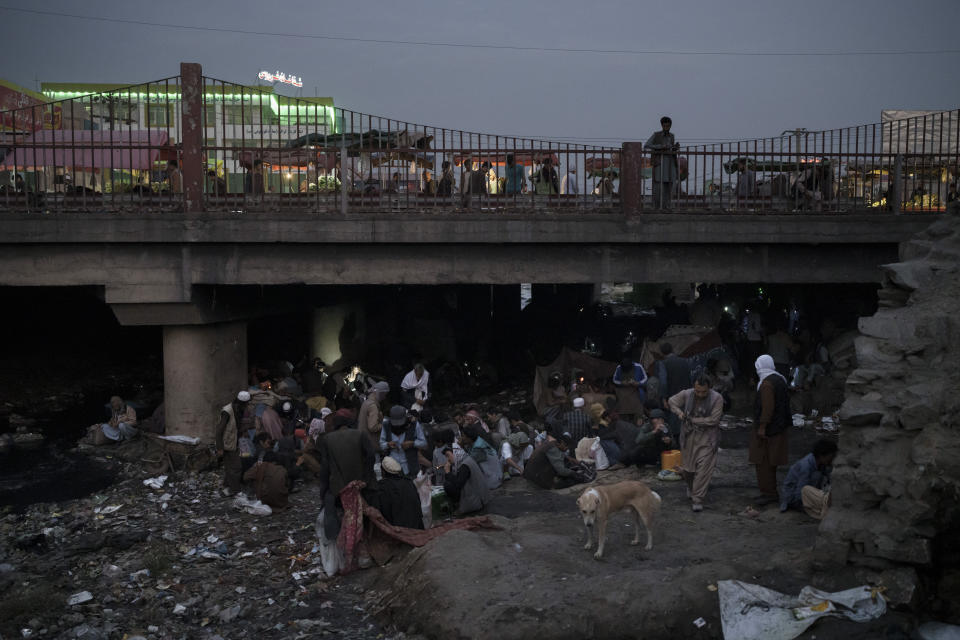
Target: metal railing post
{"type": "Point", "coordinates": [344, 190]}
{"type": "Point", "coordinates": [191, 157]}
{"type": "Point", "coordinates": [896, 189]}
{"type": "Point", "coordinates": [631, 177]}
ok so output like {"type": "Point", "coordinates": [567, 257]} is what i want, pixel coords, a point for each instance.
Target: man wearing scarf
{"type": "Point", "coordinates": [415, 388]}
{"type": "Point", "coordinates": [768, 442]}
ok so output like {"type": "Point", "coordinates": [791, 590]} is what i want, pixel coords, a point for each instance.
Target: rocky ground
{"type": "Point", "coordinates": [180, 562]}
{"type": "Point", "coordinates": [171, 562]}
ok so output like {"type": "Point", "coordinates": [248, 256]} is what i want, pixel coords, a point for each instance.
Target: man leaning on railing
{"type": "Point", "coordinates": [664, 159]}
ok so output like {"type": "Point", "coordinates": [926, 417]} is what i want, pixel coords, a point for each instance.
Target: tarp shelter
{"type": "Point", "coordinates": [598, 164]}
{"type": "Point", "coordinates": [366, 140]}
{"type": "Point", "coordinates": [776, 166]}
{"type": "Point", "coordinates": [91, 150]}
{"type": "Point", "coordinates": [423, 161]}
{"type": "Point", "coordinates": [593, 369]}
{"type": "Point", "coordinates": [696, 344]}
{"type": "Point", "coordinates": [926, 132]}
{"type": "Point", "coordinates": [499, 158]}
{"type": "Point", "coordinates": [293, 157]}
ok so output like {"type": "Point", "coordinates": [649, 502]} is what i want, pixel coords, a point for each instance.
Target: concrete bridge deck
{"type": "Point", "coordinates": [159, 258]}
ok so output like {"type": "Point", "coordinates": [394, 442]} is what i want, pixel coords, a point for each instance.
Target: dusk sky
{"type": "Point", "coordinates": [602, 97]}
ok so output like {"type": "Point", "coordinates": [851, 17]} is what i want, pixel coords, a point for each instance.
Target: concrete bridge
{"type": "Point", "coordinates": [178, 270]}
{"type": "Point", "coordinates": [90, 213]}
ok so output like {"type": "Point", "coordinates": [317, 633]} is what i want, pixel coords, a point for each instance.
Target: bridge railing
{"type": "Point", "coordinates": [901, 164]}
{"type": "Point", "coordinates": [101, 151]}
{"type": "Point", "coordinates": [193, 143]}
{"type": "Point", "coordinates": [304, 154]}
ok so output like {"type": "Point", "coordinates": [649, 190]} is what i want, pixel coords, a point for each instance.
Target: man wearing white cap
{"type": "Point", "coordinates": [576, 422]}
{"type": "Point", "coordinates": [228, 434]}
{"type": "Point", "coordinates": [370, 420]}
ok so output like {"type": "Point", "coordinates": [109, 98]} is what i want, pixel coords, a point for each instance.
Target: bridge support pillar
{"type": "Point", "coordinates": [204, 366]}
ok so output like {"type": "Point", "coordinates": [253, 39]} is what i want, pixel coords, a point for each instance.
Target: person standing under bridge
{"type": "Point", "coordinates": [664, 159]}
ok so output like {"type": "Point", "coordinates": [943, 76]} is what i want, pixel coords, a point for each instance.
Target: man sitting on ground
{"type": "Point", "coordinates": [514, 454]}
{"type": "Point", "coordinates": [499, 423]}
{"type": "Point", "coordinates": [400, 438]}
{"type": "Point", "coordinates": [550, 468]}
{"type": "Point", "coordinates": [398, 499]}
{"type": "Point", "coordinates": [652, 439]}
{"type": "Point", "coordinates": [269, 482]}
{"type": "Point", "coordinates": [807, 484]}
{"type": "Point", "coordinates": [123, 421]}
{"type": "Point", "coordinates": [465, 484]}
{"type": "Point", "coordinates": [486, 456]}
{"type": "Point", "coordinates": [607, 432]}
{"type": "Point", "coordinates": [576, 422]}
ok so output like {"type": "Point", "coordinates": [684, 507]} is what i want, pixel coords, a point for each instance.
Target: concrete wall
{"type": "Point", "coordinates": [203, 369]}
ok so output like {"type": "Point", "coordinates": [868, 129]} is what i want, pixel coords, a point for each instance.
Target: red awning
{"type": "Point", "coordinates": [81, 149]}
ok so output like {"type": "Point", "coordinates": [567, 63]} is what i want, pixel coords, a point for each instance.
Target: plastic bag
{"type": "Point", "coordinates": [253, 507]}
{"type": "Point", "coordinates": [331, 557]}
{"type": "Point", "coordinates": [424, 490]}
{"type": "Point", "coordinates": [751, 612]}
{"type": "Point", "coordinates": [599, 455]}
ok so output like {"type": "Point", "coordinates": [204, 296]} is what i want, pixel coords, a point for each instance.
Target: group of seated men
{"type": "Point", "coordinates": [273, 439]}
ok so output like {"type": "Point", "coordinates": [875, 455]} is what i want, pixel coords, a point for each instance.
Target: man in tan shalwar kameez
{"type": "Point", "coordinates": [699, 410]}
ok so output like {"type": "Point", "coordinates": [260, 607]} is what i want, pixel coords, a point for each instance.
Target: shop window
{"type": "Point", "coordinates": [160, 115]}
{"type": "Point", "coordinates": [238, 114]}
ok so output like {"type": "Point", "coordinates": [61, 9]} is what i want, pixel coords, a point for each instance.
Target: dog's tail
{"type": "Point", "coordinates": [659, 500]}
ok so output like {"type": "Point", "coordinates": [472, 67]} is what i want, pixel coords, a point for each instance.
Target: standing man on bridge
{"type": "Point", "coordinates": [664, 160]}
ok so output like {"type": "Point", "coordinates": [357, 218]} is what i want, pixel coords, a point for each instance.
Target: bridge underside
{"type": "Point", "coordinates": [190, 273]}
{"type": "Point", "coordinates": [158, 259]}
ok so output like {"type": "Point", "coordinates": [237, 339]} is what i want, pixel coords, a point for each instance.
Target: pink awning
{"type": "Point", "coordinates": [80, 149]}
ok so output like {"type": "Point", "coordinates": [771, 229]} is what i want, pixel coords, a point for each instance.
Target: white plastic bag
{"type": "Point", "coordinates": [599, 455]}
{"type": "Point", "coordinates": [425, 490]}
{"type": "Point", "coordinates": [331, 557]}
{"type": "Point", "coordinates": [751, 612]}
{"type": "Point", "coordinates": [254, 507]}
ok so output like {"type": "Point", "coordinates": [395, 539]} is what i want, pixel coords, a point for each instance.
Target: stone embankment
{"type": "Point", "coordinates": [895, 489]}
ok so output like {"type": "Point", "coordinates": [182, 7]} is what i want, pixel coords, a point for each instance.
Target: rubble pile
{"type": "Point", "coordinates": [170, 557]}
{"type": "Point", "coordinates": [895, 488]}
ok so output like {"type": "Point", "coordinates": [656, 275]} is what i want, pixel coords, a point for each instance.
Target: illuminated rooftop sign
{"type": "Point", "coordinates": [281, 77]}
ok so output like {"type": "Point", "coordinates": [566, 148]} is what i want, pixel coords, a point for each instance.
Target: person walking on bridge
{"type": "Point", "coordinates": [664, 148]}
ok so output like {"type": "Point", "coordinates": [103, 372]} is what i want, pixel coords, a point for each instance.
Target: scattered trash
{"type": "Point", "coordinates": [711, 587]}
{"type": "Point", "coordinates": [938, 631]}
{"type": "Point", "coordinates": [108, 510]}
{"type": "Point", "coordinates": [79, 598]}
{"type": "Point", "coordinates": [700, 623]}
{"type": "Point", "coordinates": [751, 612]}
{"type": "Point", "coordinates": [669, 475]}
{"type": "Point", "coordinates": [179, 610]}
{"type": "Point", "coordinates": [732, 423]}
{"type": "Point", "coordinates": [155, 483]}
{"type": "Point", "coordinates": [253, 507]}
{"type": "Point", "coordinates": [181, 439]}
